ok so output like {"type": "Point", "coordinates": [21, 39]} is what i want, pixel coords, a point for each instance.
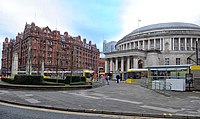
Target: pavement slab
{"type": "Point", "coordinates": [122, 97]}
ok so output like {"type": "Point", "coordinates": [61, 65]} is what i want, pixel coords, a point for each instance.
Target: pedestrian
{"type": "Point", "coordinates": [118, 78]}
{"type": "Point", "coordinates": [107, 78]}
{"type": "Point", "coordinates": [91, 77]}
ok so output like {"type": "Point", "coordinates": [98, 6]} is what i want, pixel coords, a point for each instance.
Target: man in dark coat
{"type": "Point", "coordinates": [118, 78]}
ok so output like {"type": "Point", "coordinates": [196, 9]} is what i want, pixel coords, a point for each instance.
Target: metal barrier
{"type": "Point", "coordinates": [157, 86]}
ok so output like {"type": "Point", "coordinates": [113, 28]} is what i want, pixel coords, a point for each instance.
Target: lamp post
{"type": "Point", "coordinates": [197, 59]}
{"type": "Point", "coordinates": [57, 64]}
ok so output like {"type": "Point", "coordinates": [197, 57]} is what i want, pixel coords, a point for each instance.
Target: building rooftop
{"type": "Point", "coordinates": [170, 25]}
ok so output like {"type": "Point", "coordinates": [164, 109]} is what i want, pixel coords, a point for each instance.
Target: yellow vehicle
{"type": "Point", "coordinates": [88, 74]}
{"type": "Point", "coordinates": [82, 72]}
{"type": "Point", "coordinates": [134, 76]}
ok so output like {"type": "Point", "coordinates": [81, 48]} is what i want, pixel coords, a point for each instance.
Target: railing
{"type": "Point", "coordinates": [157, 85]}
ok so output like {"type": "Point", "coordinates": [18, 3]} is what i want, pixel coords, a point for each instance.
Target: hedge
{"type": "Point", "coordinates": [39, 80]}
{"type": "Point", "coordinates": [54, 80]}
{"type": "Point", "coordinates": [8, 80]}
{"type": "Point", "coordinates": [28, 79]}
{"type": "Point", "coordinates": [24, 79]}
{"type": "Point", "coordinates": [75, 79]}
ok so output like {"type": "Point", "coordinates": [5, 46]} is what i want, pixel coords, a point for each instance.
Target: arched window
{"type": "Point", "coordinates": [140, 64]}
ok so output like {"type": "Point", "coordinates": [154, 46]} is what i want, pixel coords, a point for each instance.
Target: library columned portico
{"type": "Point", "coordinates": [158, 44]}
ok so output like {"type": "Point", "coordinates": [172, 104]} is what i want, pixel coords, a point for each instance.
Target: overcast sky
{"type": "Point", "coordinates": [95, 20]}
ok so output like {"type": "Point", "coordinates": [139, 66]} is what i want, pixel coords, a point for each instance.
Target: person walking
{"type": "Point", "coordinates": [118, 78]}
{"type": "Point", "coordinates": [107, 80]}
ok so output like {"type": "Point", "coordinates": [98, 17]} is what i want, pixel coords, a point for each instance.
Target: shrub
{"type": "Point", "coordinates": [75, 79]}
{"type": "Point", "coordinates": [28, 79]}
{"type": "Point", "coordinates": [38, 80]}
{"type": "Point", "coordinates": [8, 80]}
{"type": "Point", "coordinates": [54, 80]}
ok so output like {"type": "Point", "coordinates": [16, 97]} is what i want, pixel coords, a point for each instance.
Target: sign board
{"type": "Point", "coordinates": [195, 67]}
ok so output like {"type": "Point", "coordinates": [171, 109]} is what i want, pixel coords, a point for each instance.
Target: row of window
{"type": "Point", "coordinates": [178, 61]}
{"type": "Point", "coordinates": [159, 44]}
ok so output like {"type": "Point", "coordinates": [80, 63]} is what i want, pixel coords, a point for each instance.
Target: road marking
{"type": "Point", "coordinates": [161, 109]}
{"type": "Point", "coordinates": [31, 100]}
{"type": "Point", "coordinates": [127, 101]}
{"type": "Point", "coordinates": [28, 95]}
{"type": "Point", "coordinates": [197, 101]}
{"type": "Point", "coordinates": [113, 99]}
{"type": "Point", "coordinates": [87, 96]}
{"type": "Point", "coordinates": [194, 97]}
{"type": "Point", "coordinates": [3, 91]}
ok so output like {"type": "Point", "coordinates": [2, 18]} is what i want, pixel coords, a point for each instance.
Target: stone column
{"type": "Point", "coordinates": [143, 44]}
{"type": "Point", "coordinates": [116, 64]}
{"type": "Point", "coordinates": [185, 44]}
{"type": "Point", "coordinates": [149, 44]}
{"type": "Point", "coordinates": [135, 63]}
{"type": "Point", "coordinates": [138, 44]}
{"type": "Point", "coordinates": [173, 44]}
{"type": "Point", "coordinates": [128, 63]}
{"type": "Point", "coordinates": [111, 64]}
{"type": "Point", "coordinates": [122, 64]}
{"type": "Point", "coordinates": [170, 44]}
{"type": "Point", "coordinates": [42, 69]}
{"type": "Point", "coordinates": [134, 45]}
{"type": "Point", "coordinates": [130, 46]}
{"type": "Point", "coordinates": [191, 43]}
{"type": "Point", "coordinates": [132, 64]}
{"type": "Point", "coordinates": [179, 44]}
{"type": "Point", "coordinates": [122, 67]}
{"type": "Point", "coordinates": [106, 66]}
{"type": "Point", "coordinates": [154, 45]}
{"type": "Point", "coordinates": [161, 44]}
{"type": "Point", "coordinates": [14, 63]}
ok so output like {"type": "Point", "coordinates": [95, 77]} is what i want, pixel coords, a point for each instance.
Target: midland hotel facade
{"type": "Point", "coordinates": [38, 48]}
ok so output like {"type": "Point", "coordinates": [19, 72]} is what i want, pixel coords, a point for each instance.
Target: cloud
{"type": "Point", "coordinates": [158, 11]}
{"type": "Point", "coordinates": [94, 20]}
{"type": "Point", "coordinates": [14, 14]}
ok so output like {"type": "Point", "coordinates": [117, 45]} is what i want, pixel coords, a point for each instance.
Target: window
{"type": "Point", "coordinates": [50, 49]}
{"type": "Point", "coordinates": [166, 61]}
{"type": "Point", "coordinates": [178, 61]}
{"type": "Point", "coordinates": [176, 44]}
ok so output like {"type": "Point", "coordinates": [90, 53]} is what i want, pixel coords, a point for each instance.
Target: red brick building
{"type": "Point", "coordinates": [102, 63]}
{"type": "Point", "coordinates": [37, 47]}
{"type": "Point", "coordinates": [6, 61]}
{"type": "Point", "coordinates": [102, 66]}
